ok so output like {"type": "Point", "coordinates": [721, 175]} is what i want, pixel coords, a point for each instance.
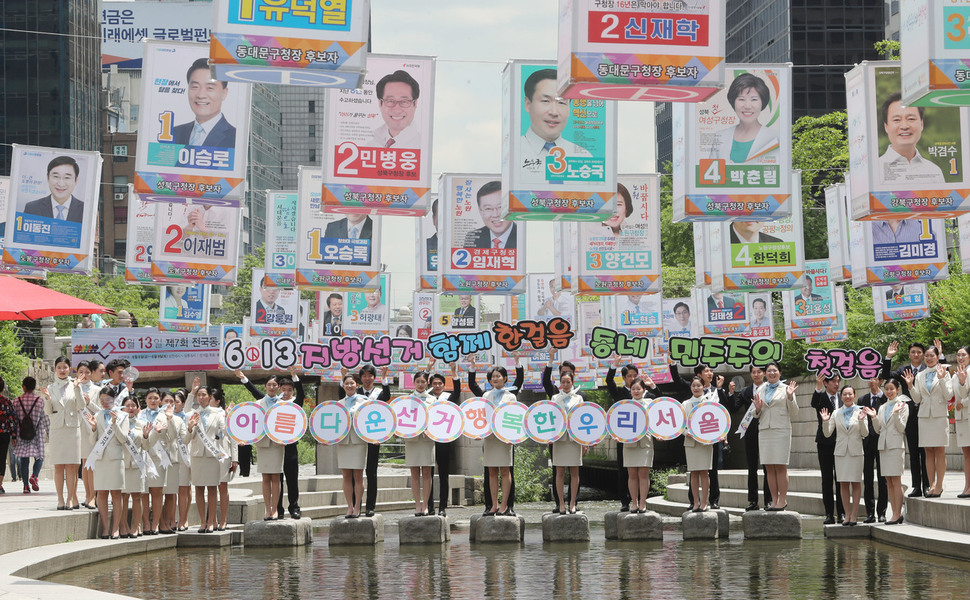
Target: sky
{"type": "Point", "coordinates": [472, 42]}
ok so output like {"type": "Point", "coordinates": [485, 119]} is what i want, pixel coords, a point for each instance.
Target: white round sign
{"type": "Point", "coordinates": [329, 423]}
{"type": "Point", "coordinates": [478, 418]}
{"type": "Point", "coordinates": [545, 422]}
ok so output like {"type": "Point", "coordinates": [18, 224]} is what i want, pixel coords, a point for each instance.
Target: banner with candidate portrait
{"type": "Point", "coordinates": [367, 312]}
{"type": "Point", "coordinates": [751, 256]}
{"type": "Point", "coordinates": [897, 251]}
{"type": "Point", "coordinates": [900, 302]}
{"type": "Point", "coordinates": [722, 314]}
{"type": "Point", "coordinates": [280, 259]}
{"type": "Point", "coordinates": [546, 300]}
{"type": "Point", "coordinates": [427, 243]}
{"type": "Point", "coordinates": [422, 315]}
{"type": "Point", "coordinates": [52, 209]}
{"type": "Point", "coordinates": [273, 311]}
{"type": "Point", "coordinates": [732, 152]}
{"type": "Point", "coordinates": [638, 315]}
{"type": "Point", "coordinates": [196, 243]}
{"type": "Point", "coordinates": [564, 240]}
{"type": "Point", "coordinates": [761, 323]}
{"type": "Point", "coordinates": [377, 146]}
{"type": "Point", "coordinates": [183, 308]}
{"type": "Point", "coordinates": [591, 312]}
{"type": "Point", "coordinates": [835, 332]}
{"type": "Point", "coordinates": [813, 304]}
{"type": "Point", "coordinates": [140, 239]}
{"type": "Point", "coordinates": [647, 51]}
{"type": "Point", "coordinates": [457, 313]}
{"type": "Point", "coordinates": [558, 155]}
{"type": "Point", "coordinates": [482, 251]}
{"type": "Point", "coordinates": [330, 313]}
{"type": "Point", "coordinates": [6, 269]}
{"type": "Point", "coordinates": [905, 162]}
{"type": "Point", "coordinates": [679, 318]}
{"type": "Point", "coordinates": [837, 223]}
{"type": "Point", "coordinates": [334, 251]}
{"type": "Point", "coordinates": [622, 254]}
{"type": "Point", "coordinates": [936, 37]}
{"type": "Point", "coordinates": [193, 134]}
{"type": "Point", "coordinates": [291, 42]}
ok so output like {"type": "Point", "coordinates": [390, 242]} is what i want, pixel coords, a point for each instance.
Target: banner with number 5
{"type": "Point", "coordinates": [196, 243]}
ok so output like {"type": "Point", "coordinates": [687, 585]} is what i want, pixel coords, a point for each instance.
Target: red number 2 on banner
{"type": "Point", "coordinates": [172, 245]}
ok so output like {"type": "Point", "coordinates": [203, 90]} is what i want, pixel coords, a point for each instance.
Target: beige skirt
{"type": "Point", "coordinates": [65, 446]}
{"type": "Point", "coordinates": [184, 478]}
{"type": "Point", "coordinates": [774, 446]}
{"type": "Point", "coordinates": [848, 469]}
{"type": "Point", "coordinates": [637, 455]}
{"type": "Point", "coordinates": [419, 451]}
{"type": "Point", "coordinates": [934, 432]}
{"type": "Point", "coordinates": [134, 482]}
{"type": "Point", "coordinates": [352, 455]}
{"type": "Point", "coordinates": [963, 433]}
{"type": "Point", "coordinates": [269, 459]}
{"type": "Point", "coordinates": [497, 453]}
{"type": "Point", "coordinates": [566, 453]}
{"type": "Point", "coordinates": [160, 480]}
{"type": "Point", "coordinates": [109, 475]}
{"type": "Point", "coordinates": [892, 462]}
{"type": "Point", "coordinates": [699, 457]}
{"type": "Point", "coordinates": [205, 471]}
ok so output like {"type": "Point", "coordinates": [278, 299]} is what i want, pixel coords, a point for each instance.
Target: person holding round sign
{"type": "Point", "coordinates": [638, 456]}
{"type": "Point", "coordinates": [352, 451]}
{"type": "Point", "coordinates": [629, 372]}
{"type": "Point", "coordinates": [565, 451]}
{"type": "Point", "coordinates": [442, 450]}
{"type": "Point", "coordinates": [419, 450]}
{"type": "Point", "coordinates": [775, 407]}
{"type": "Point", "coordinates": [498, 454]}
{"type": "Point", "coordinates": [849, 422]}
{"type": "Point", "coordinates": [699, 456]}
{"type": "Point", "coordinates": [204, 433]}
{"type": "Point", "coordinates": [269, 459]}
{"type": "Point", "coordinates": [890, 424]}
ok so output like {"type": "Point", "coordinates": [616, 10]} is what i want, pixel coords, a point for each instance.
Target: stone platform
{"type": "Point", "coordinates": [565, 528]}
{"type": "Point", "coordinates": [700, 525]}
{"type": "Point", "coordinates": [362, 531]}
{"type": "Point", "coordinates": [276, 533]}
{"type": "Point", "coordinates": [771, 525]}
{"type": "Point", "coordinates": [837, 532]}
{"type": "Point", "coordinates": [496, 529]}
{"type": "Point", "coordinates": [431, 529]}
{"type": "Point", "coordinates": [629, 527]}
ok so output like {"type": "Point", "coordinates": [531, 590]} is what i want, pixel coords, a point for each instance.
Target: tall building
{"type": "Point", "coordinates": [303, 117]}
{"type": "Point", "coordinates": [49, 75]}
{"type": "Point", "coordinates": [822, 39]}
{"type": "Point", "coordinates": [265, 163]}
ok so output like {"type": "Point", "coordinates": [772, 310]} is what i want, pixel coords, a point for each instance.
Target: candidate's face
{"type": "Point", "coordinates": [757, 375]}
{"type": "Point", "coordinates": [915, 355]}
{"type": "Point", "coordinates": [635, 298]}
{"type": "Point", "coordinates": [682, 315]}
{"type": "Point", "coordinates": [747, 228]}
{"type": "Point", "coordinates": [832, 385]}
{"type": "Point", "coordinates": [178, 291]}
{"type": "Point", "coordinates": [490, 206]}
{"type": "Point", "coordinates": [620, 215]}
{"type": "Point", "coordinates": [269, 295]}
{"type": "Point", "coordinates": [758, 310]}
{"type": "Point", "coordinates": [806, 288]}
{"type": "Point", "coordinates": [231, 334]}
{"type": "Point", "coordinates": [62, 182]}
{"type": "Point", "coordinates": [773, 374]}
{"type": "Point", "coordinates": [848, 396]}
{"type": "Point", "coordinates": [904, 126]}
{"type": "Point", "coordinates": [547, 113]}
{"type": "Point", "coordinates": [374, 297]}
{"type": "Point", "coordinates": [367, 379]}
{"type": "Point", "coordinates": [464, 301]}
{"type": "Point", "coordinates": [748, 106]}
{"type": "Point", "coordinates": [336, 307]}
{"type": "Point", "coordinates": [205, 95]}
{"type": "Point", "coordinates": [398, 106]}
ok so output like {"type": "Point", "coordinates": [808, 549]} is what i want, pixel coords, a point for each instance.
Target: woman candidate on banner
{"type": "Point", "coordinates": [624, 209]}
{"type": "Point", "coordinates": [135, 484]}
{"type": "Point", "coordinates": [775, 407]}
{"type": "Point", "coordinates": [419, 451]}
{"type": "Point", "coordinates": [442, 450]}
{"type": "Point", "coordinates": [90, 393]}
{"type": "Point", "coordinates": [565, 451]}
{"type": "Point", "coordinates": [890, 424]}
{"type": "Point", "coordinates": [64, 406]}
{"type": "Point", "coordinates": [204, 433]}
{"type": "Point", "coordinates": [699, 456]}
{"type": "Point", "coordinates": [109, 429]}
{"type": "Point", "coordinates": [961, 415]}
{"type": "Point", "coordinates": [498, 454]}
{"type": "Point", "coordinates": [749, 141]}
{"type": "Point", "coordinates": [638, 456]}
{"type": "Point", "coordinates": [176, 434]}
{"type": "Point", "coordinates": [352, 451]}
{"type": "Point", "coordinates": [931, 390]}
{"type": "Point", "coordinates": [849, 422]}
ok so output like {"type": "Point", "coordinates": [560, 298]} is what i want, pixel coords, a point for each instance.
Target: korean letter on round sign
{"type": "Point", "coordinates": [445, 422]}
{"type": "Point", "coordinates": [666, 418]}
{"type": "Point", "coordinates": [478, 418]}
{"type": "Point", "coordinates": [545, 422]}
{"type": "Point", "coordinates": [286, 423]}
{"type": "Point", "coordinates": [587, 424]}
{"type": "Point", "coordinates": [709, 422]}
{"type": "Point", "coordinates": [246, 423]}
{"type": "Point", "coordinates": [412, 416]}
{"type": "Point", "coordinates": [329, 423]}
{"type": "Point", "coordinates": [508, 422]}
{"type": "Point", "coordinates": [375, 422]}
{"type": "Point", "coordinates": [627, 421]}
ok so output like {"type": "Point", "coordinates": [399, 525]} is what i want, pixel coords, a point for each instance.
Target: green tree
{"type": "Point", "coordinates": [236, 303]}
{"type": "Point", "coordinates": [820, 149]}
{"type": "Point", "coordinates": [888, 48]}
{"type": "Point", "coordinates": [13, 364]}
{"type": "Point", "coordinates": [111, 291]}
{"type": "Point", "coordinates": [677, 249]}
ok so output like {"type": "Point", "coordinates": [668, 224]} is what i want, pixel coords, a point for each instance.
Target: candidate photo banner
{"type": "Point", "coordinates": [457, 313]}
{"type": "Point", "coordinates": [723, 314]}
{"type": "Point", "coordinates": [898, 251]}
{"type": "Point", "coordinates": [905, 162]}
{"type": "Point", "coordinates": [140, 238]}
{"type": "Point", "coordinates": [900, 302]}
{"type": "Point", "coordinates": [196, 243]}
{"type": "Point", "coordinates": [837, 222]}
{"type": "Point", "coordinates": [280, 263]}
{"type": "Point", "coordinates": [193, 137]}
{"type": "Point", "coordinates": [422, 315]}
{"type": "Point", "coordinates": [755, 256]}
{"type": "Point", "coordinates": [647, 51]}
{"type": "Point", "coordinates": [330, 314]}
{"type": "Point", "coordinates": [546, 300]}
{"type": "Point", "coordinates": [559, 156]}
{"type": "Point", "coordinates": [638, 315]}
{"type": "Point", "coordinates": [732, 152]}
{"type": "Point", "coordinates": [273, 311]}
{"type": "Point", "coordinates": [316, 43]}
{"type": "Point", "coordinates": [183, 308]}
{"type": "Point", "coordinates": [367, 312]}
{"type": "Point", "coordinates": [836, 327]}
{"type": "Point", "coordinates": [564, 235]}
{"type": "Point", "coordinates": [678, 318]}
{"type": "Point", "coordinates": [482, 251]}
{"type": "Point", "coordinates": [622, 254]}
{"type": "Point", "coordinates": [377, 146]}
{"type": "Point", "coordinates": [426, 250]}
{"type": "Point", "coordinates": [52, 209]}
{"type": "Point", "coordinates": [334, 251]}
{"type": "Point", "coordinates": [934, 66]}
{"type": "Point", "coordinates": [813, 303]}
{"type": "Point", "coordinates": [591, 312]}
{"type": "Point", "coordinates": [6, 269]}
{"type": "Point", "coordinates": [761, 323]}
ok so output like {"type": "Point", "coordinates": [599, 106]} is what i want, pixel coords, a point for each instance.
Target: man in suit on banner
{"type": "Point", "coordinates": [497, 232]}
{"type": "Point", "coordinates": [210, 127]}
{"type": "Point", "coordinates": [60, 204]}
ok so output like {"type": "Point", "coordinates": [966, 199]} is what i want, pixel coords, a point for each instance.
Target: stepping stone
{"type": "Point", "coordinates": [565, 528]}
{"type": "Point", "coordinates": [771, 525]}
{"type": "Point", "coordinates": [639, 526]}
{"type": "Point", "coordinates": [432, 529]}
{"type": "Point", "coordinates": [700, 525]}
{"type": "Point", "coordinates": [362, 531]}
{"type": "Point", "coordinates": [499, 529]}
{"type": "Point", "coordinates": [291, 532]}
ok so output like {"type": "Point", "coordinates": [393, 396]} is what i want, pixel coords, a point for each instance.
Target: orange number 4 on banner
{"type": "Point", "coordinates": [712, 171]}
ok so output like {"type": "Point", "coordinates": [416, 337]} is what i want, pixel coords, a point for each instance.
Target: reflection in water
{"type": "Point", "coordinates": [724, 569]}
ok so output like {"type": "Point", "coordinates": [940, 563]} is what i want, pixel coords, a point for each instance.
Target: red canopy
{"type": "Point", "coordinates": [24, 301]}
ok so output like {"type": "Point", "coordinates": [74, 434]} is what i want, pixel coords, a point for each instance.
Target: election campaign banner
{"type": "Point", "coordinates": [125, 24]}
{"type": "Point", "coordinates": [963, 234]}
{"type": "Point", "coordinates": [183, 308]}
{"type": "Point", "coordinates": [591, 314]}
{"type": "Point", "coordinates": [367, 312]}
{"type": "Point", "coordinates": [281, 228]}
{"type": "Point", "coordinates": [147, 348]}
{"type": "Point", "coordinates": [648, 51]}
{"type": "Point", "coordinates": [426, 252]}
{"type": "Point", "coordinates": [900, 302]}
{"type": "Point", "coordinates": [679, 319]}
{"type": "Point", "coordinates": [723, 314]}
{"type": "Point", "coordinates": [482, 251]}
{"type": "Point", "coordinates": [897, 251]}
{"type": "Point", "coordinates": [622, 254]}
{"type": "Point", "coordinates": [334, 251]}
{"type": "Point", "coordinates": [732, 152]}
{"type": "Point", "coordinates": [813, 304]}
{"type": "Point", "coordinates": [761, 322]}
{"type": "Point", "coordinates": [196, 243]}
{"type": "Point", "coordinates": [377, 148]}
{"type": "Point", "coordinates": [457, 312]}
{"type": "Point", "coordinates": [935, 36]}
{"type": "Point", "coordinates": [546, 300]}
{"type": "Point", "coordinates": [564, 236]}
{"type": "Point", "coordinates": [330, 309]}
{"type": "Point", "coordinates": [6, 269]}
{"type": "Point", "coordinates": [819, 332]}
{"type": "Point", "coordinates": [140, 238]}
{"type": "Point", "coordinates": [837, 223]}
{"type": "Point", "coordinates": [558, 155]}
{"type": "Point", "coordinates": [638, 314]}
{"type": "Point", "coordinates": [52, 209]}
{"type": "Point", "coordinates": [193, 135]}
{"type": "Point", "coordinates": [905, 162]}
{"type": "Point", "coordinates": [273, 311]}
{"type": "Point", "coordinates": [422, 315]}
{"type": "Point", "coordinates": [297, 42]}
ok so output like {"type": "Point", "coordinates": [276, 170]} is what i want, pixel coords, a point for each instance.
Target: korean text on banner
{"type": "Point", "coordinates": [281, 238]}
{"type": "Point", "coordinates": [273, 311]}
{"type": "Point", "coordinates": [183, 308]}
{"type": "Point", "coordinates": [196, 243]}
{"type": "Point", "coordinates": [141, 239]}
{"type": "Point", "coordinates": [7, 269]}
{"type": "Point", "coordinates": [147, 348]}
{"type": "Point", "coordinates": [124, 24]}
{"type": "Point", "coordinates": [935, 36]}
{"type": "Point", "coordinates": [898, 251]}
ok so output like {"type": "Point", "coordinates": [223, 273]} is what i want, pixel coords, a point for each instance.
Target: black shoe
{"type": "Point", "coordinates": [488, 514]}
{"type": "Point", "coordinates": [624, 508]}
{"type": "Point", "coordinates": [295, 513]}
{"type": "Point", "coordinates": [752, 506]}
{"type": "Point", "coordinates": [441, 513]}
{"type": "Point", "coordinates": [829, 520]}
{"type": "Point", "coordinates": [429, 512]}
{"type": "Point", "coordinates": [846, 524]}
{"type": "Point", "coordinates": [841, 518]}
{"type": "Point", "coordinates": [852, 524]}
{"type": "Point", "coordinates": [963, 495]}
{"type": "Point", "coordinates": [915, 494]}
{"type": "Point", "coordinates": [870, 519]}
{"type": "Point", "coordinates": [555, 511]}
{"type": "Point", "coordinates": [369, 514]}
{"type": "Point", "coordinates": [509, 513]}
{"type": "Point", "coordinates": [715, 506]}
{"type": "Point", "coordinates": [881, 518]}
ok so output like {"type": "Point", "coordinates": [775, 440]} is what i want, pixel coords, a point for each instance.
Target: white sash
{"type": "Point", "coordinates": [162, 453]}
{"type": "Point", "coordinates": [183, 451]}
{"type": "Point", "coordinates": [210, 445]}
{"type": "Point", "coordinates": [137, 456]}
{"type": "Point", "coordinates": [444, 396]}
{"type": "Point", "coordinates": [746, 421]}
{"type": "Point", "coordinates": [99, 447]}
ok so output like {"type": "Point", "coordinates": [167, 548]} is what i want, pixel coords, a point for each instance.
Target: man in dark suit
{"type": "Point", "coordinates": [827, 396]}
{"type": "Point", "coordinates": [917, 455]}
{"type": "Point", "coordinates": [465, 309]}
{"type": "Point", "coordinates": [62, 174]}
{"type": "Point", "coordinates": [497, 232]}
{"type": "Point", "coordinates": [717, 301]}
{"type": "Point", "coordinates": [894, 292]}
{"type": "Point", "coordinates": [870, 449]}
{"type": "Point", "coordinates": [749, 232]}
{"type": "Point", "coordinates": [806, 292]}
{"type": "Point", "coordinates": [210, 127]}
{"type": "Point", "coordinates": [742, 401]}
{"type": "Point", "coordinates": [353, 226]}
{"type": "Point", "coordinates": [333, 318]}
